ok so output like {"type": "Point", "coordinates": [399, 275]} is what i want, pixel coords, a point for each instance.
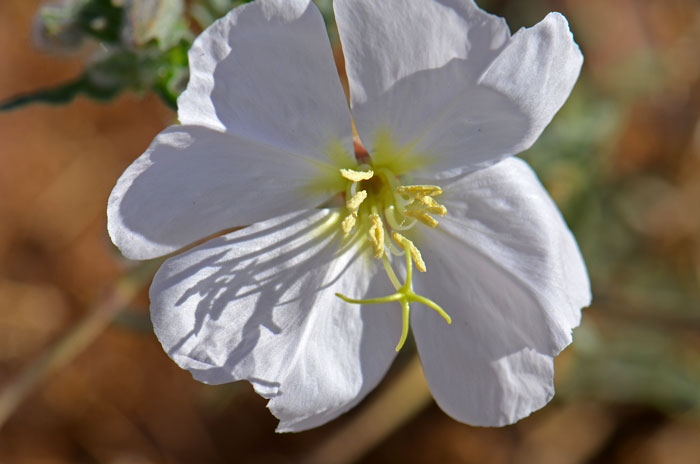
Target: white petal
{"type": "Point", "coordinates": [259, 304]}
{"type": "Point", "coordinates": [266, 71]}
{"type": "Point", "coordinates": [447, 77]}
{"type": "Point", "coordinates": [504, 265]}
{"type": "Point", "coordinates": [535, 72]}
{"type": "Point", "coordinates": [193, 181]}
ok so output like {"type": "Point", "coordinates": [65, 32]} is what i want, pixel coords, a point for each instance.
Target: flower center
{"type": "Point", "coordinates": [379, 201]}
{"type": "Point", "coordinates": [379, 208]}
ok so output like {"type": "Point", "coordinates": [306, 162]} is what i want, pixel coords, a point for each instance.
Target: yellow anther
{"type": "Point", "coordinates": [356, 176]}
{"type": "Point", "coordinates": [418, 191]}
{"type": "Point", "coordinates": [349, 223]}
{"type": "Point", "coordinates": [433, 206]}
{"type": "Point", "coordinates": [354, 203]}
{"type": "Point", "coordinates": [376, 234]}
{"type": "Point", "coordinates": [422, 216]}
{"type": "Point", "coordinates": [415, 252]}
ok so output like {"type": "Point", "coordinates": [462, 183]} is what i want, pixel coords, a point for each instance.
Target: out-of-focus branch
{"type": "Point", "coordinates": [620, 310]}
{"type": "Point", "coordinates": [76, 340]}
{"type": "Point", "coordinates": [397, 403]}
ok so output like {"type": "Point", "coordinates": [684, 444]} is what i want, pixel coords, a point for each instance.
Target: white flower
{"type": "Point", "coordinates": [441, 95]}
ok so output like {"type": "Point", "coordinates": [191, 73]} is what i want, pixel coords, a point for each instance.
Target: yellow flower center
{"type": "Point", "coordinates": [380, 207]}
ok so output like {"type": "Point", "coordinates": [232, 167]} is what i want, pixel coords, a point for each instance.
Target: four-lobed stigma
{"type": "Point", "coordinates": [379, 207]}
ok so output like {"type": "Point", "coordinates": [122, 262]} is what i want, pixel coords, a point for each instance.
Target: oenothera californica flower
{"type": "Point", "coordinates": [430, 220]}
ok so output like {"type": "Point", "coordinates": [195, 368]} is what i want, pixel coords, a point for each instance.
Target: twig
{"type": "Point", "coordinates": [76, 340]}
{"type": "Point", "coordinates": [406, 396]}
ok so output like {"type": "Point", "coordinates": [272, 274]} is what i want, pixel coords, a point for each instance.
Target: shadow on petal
{"type": "Point", "coordinates": [259, 304]}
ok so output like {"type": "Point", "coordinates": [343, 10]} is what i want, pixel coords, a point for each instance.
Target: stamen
{"type": "Point", "coordinates": [394, 250]}
{"type": "Point", "coordinates": [422, 216]}
{"type": "Point", "coordinates": [356, 176]}
{"type": "Point", "coordinates": [390, 272]}
{"type": "Point", "coordinates": [415, 252]}
{"type": "Point", "coordinates": [354, 203]}
{"type": "Point", "coordinates": [390, 215]}
{"type": "Point", "coordinates": [433, 206]}
{"type": "Point", "coordinates": [388, 207]}
{"type": "Point", "coordinates": [417, 191]}
{"type": "Point", "coordinates": [422, 204]}
{"type": "Point", "coordinates": [349, 223]}
{"type": "Point", "coordinates": [376, 234]}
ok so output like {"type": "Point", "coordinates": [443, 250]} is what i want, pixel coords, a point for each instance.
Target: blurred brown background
{"type": "Point", "coordinates": [622, 159]}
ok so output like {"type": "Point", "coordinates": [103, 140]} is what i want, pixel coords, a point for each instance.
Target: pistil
{"type": "Point", "coordinates": [404, 295]}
